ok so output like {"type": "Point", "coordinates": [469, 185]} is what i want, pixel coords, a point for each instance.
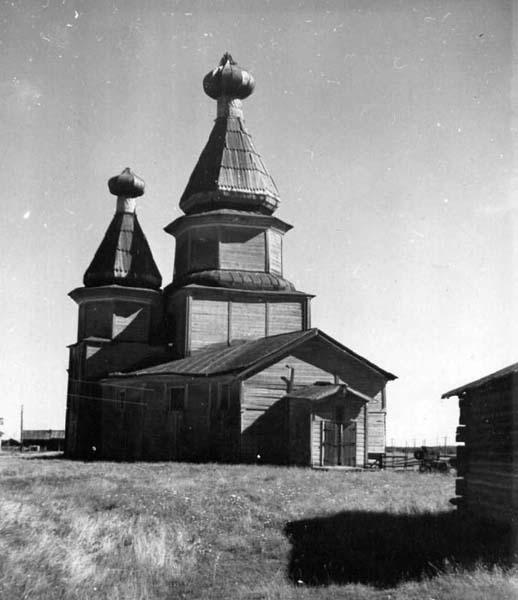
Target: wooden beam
{"type": "Point", "coordinates": [266, 250]}
{"type": "Point", "coordinates": [366, 435]}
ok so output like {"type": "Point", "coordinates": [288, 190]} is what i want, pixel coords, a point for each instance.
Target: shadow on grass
{"type": "Point", "coordinates": [382, 549]}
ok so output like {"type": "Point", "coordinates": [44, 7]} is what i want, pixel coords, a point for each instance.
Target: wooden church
{"type": "Point", "coordinates": [222, 364]}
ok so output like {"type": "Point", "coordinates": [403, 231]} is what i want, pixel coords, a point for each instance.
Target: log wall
{"type": "Point", "coordinates": [487, 483]}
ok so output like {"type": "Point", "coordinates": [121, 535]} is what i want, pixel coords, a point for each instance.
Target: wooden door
{"type": "Point", "coordinates": [349, 444]}
{"type": "Point", "coordinates": [338, 442]}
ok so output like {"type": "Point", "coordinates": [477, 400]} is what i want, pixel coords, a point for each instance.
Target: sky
{"type": "Point", "coordinates": [386, 125]}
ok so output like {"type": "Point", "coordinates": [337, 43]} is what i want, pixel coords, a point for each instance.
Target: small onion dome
{"type": "Point", "coordinates": [126, 185]}
{"type": "Point", "coordinates": [228, 79]}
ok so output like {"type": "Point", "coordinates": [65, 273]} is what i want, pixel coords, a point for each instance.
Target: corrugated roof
{"type": "Point", "coordinates": [226, 359]}
{"type": "Point", "coordinates": [510, 370]}
{"type": "Point", "coordinates": [231, 166]}
{"type": "Point", "coordinates": [123, 257]}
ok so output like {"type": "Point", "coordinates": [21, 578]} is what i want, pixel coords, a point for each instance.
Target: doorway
{"type": "Point", "coordinates": [338, 443]}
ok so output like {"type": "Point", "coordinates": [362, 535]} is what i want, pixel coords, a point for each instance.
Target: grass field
{"type": "Point", "coordinates": [72, 530]}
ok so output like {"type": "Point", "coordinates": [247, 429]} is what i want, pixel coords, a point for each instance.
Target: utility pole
{"type": "Point", "coordinates": [21, 428]}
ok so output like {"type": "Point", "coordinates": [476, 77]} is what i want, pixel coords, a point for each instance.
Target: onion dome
{"type": "Point", "coordinates": [127, 184]}
{"type": "Point", "coordinates": [124, 256]}
{"type": "Point", "coordinates": [230, 173]}
{"type": "Point", "coordinates": [228, 79]}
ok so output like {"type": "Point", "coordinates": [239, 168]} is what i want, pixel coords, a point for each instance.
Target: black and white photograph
{"type": "Point", "coordinates": [258, 300]}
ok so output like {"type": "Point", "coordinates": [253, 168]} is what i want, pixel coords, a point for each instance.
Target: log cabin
{"type": "Point", "coordinates": [223, 363]}
{"type": "Point", "coordinates": [487, 483]}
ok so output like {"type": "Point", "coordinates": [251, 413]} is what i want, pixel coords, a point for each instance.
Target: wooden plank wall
{"type": "Point", "coordinates": [377, 429]}
{"type": "Point", "coordinates": [131, 322]}
{"type": "Point", "coordinates": [260, 393]}
{"type": "Point", "coordinates": [211, 247]}
{"type": "Point", "coordinates": [248, 320]}
{"type": "Point", "coordinates": [209, 323]}
{"type": "Point", "coordinates": [361, 378]}
{"type": "Point", "coordinates": [203, 249]}
{"type": "Point", "coordinates": [242, 249]}
{"type": "Point", "coordinates": [95, 319]}
{"type": "Point", "coordinates": [488, 476]}
{"type": "Point", "coordinates": [222, 321]}
{"type": "Point", "coordinates": [350, 370]}
{"type": "Point", "coordinates": [142, 423]}
{"type": "Point", "coordinates": [354, 410]}
{"type": "Point", "coordinates": [284, 317]}
{"type": "Point", "coordinates": [275, 252]}
{"type": "Point", "coordinates": [181, 254]}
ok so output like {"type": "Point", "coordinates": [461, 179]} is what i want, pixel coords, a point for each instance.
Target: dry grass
{"type": "Point", "coordinates": [146, 531]}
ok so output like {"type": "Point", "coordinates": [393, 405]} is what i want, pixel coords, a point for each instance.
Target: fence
{"type": "Point", "coordinates": [403, 458]}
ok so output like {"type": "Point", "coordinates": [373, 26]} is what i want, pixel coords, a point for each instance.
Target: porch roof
{"type": "Point", "coordinates": [318, 391]}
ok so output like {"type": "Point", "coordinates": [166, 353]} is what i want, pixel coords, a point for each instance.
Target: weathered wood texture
{"type": "Point", "coordinates": [208, 323]}
{"type": "Point", "coordinates": [227, 247]}
{"type": "Point", "coordinates": [487, 463]}
{"type": "Point", "coordinates": [359, 377]}
{"type": "Point", "coordinates": [247, 320]}
{"type": "Point", "coordinates": [260, 421]}
{"type": "Point", "coordinates": [242, 249]}
{"type": "Point", "coordinates": [169, 420]}
{"type": "Point", "coordinates": [224, 321]}
{"type": "Point", "coordinates": [261, 411]}
{"type": "Point", "coordinates": [275, 252]}
{"type": "Point", "coordinates": [353, 413]}
{"type": "Point", "coordinates": [284, 317]}
{"type": "Point", "coordinates": [114, 318]}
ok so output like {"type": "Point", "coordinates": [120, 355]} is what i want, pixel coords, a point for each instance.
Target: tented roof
{"type": "Point", "coordinates": [230, 173]}
{"type": "Point", "coordinates": [123, 257]}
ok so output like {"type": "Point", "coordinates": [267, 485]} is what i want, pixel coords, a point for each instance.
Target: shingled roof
{"type": "Point", "coordinates": [124, 256]}
{"type": "Point", "coordinates": [230, 172]}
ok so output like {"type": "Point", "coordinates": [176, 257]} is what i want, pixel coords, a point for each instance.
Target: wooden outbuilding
{"type": "Point", "coordinates": [487, 462]}
{"type": "Point", "coordinates": [44, 439]}
{"type": "Point", "coordinates": [223, 363]}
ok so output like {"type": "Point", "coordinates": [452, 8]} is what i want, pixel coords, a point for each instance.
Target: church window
{"type": "Point", "coordinates": [122, 398]}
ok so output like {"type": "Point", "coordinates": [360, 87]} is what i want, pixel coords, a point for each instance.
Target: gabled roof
{"type": "Point", "coordinates": [123, 257]}
{"type": "Point", "coordinates": [230, 173]}
{"type": "Point", "coordinates": [506, 371]}
{"type": "Point", "coordinates": [246, 356]}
